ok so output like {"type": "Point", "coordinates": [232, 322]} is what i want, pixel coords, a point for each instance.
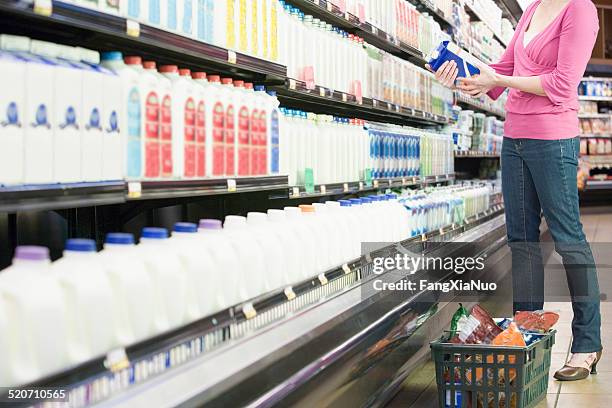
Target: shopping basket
{"type": "Point", "coordinates": [485, 376]}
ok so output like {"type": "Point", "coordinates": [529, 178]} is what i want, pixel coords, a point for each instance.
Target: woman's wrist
{"type": "Point", "coordinates": [500, 80]}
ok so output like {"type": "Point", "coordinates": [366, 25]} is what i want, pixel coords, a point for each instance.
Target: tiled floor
{"type": "Point", "coordinates": [593, 392]}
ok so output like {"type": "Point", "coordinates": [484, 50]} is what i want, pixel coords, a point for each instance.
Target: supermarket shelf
{"type": "Point", "coordinates": [146, 367]}
{"type": "Point", "coordinates": [58, 196]}
{"type": "Point", "coordinates": [589, 136]}
{"type": "Point", "coordinates": [155, 190]}
{"type": "Point", "coordinates": [473, 154]}
{"type": "Point", "coordinates": [355, 187]}
{"type": "Point", "coordinates": [430, 8]}
{"type": "Point", "coordinates": [595, 98]}
{"type": "Point", "coordinates": [595, 115]}
{"type": "Point", "coordinates": [476, 17]}
{"type": "Point", "coordinates": [332, 14]}
{"type": "Point", "coordinates": [323, 100]}
{"type": "Point", "coordinates": [512, 10]}
{"type": "Point", "coordinates": [592, 185]}
{"type": "Point", "coordinates": [71, 24]}
{"type": "Point", "coordinates": [477, 105]}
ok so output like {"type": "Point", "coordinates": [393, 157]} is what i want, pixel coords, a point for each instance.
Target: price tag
{"type": "Point", "coordinates": [346, 269]}
{"type": "Point", "coordinates": [423, 237]}
{"type": "Point", "coordinates": [347, 16]}
{"type": "Point", "coordinates": [441, 231]}
{"type": "Point", "coordinates": [295, 191]}
{"type": "Point", "coordinates": [321, 91]}
{"type": "Point", "coordinates": [116, 360]}
{"type": "Point", "coordinates": [249, 311]}
{"type": "Point", "coordinates": [374, 30]}
{"type": "Point", "coordinates": [344, 97]}
{"type": "Point", "coordinates": [231, 185]}
{"type": "Point", "coordinates": [375, 183]}
{"type": "Point", "coordinates": [289, 293]}
{"type": "Point", "coordinates": [345, 187]}
{"type": "Point", "coordinates": [231, 57]}
{"type": "Point", "coordinates": [390, 183]}
{"type": "Point", "coordinates": [292, 84]}
{"type": "Point", "coordinates": [329, 6]}
{"type": "Point", "coordinates": [134, 189]}
{"type": "Point", "coordinates": [374, 103]}
{"type": "Point", "coordinates": [437, 178]}
{"type": "Point", "coordinates": [388, 37]}
{"type": "Point", "coordinates": [323, 279]}
{"type": "Point", "coordinates": [389, 105]}
{"type": "Point", "coordinates": [397, 108]}
{"type": "Point", "coordinates": [323, 189]}
{"type": "Point", "coordinates": [361, 185]}
{"type": "Point", "coordinates": [414, 180]}
{"type": "Point", "coordinates": [43, 7]}
{"type": "Point", "coordinates": [132, 28]}
{"type": "Point", "coordinates": [316, 2]}
{"type": "Point", "coordinates": [404, 182]}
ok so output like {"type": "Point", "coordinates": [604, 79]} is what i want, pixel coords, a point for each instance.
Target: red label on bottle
{"type": "Point", "coordinates": [166, 136]}
{"type": "Point", "coordinates": [189, 130]}
{"type": "Point", "coordinates": [244, 142]}
{"type": "Point", "coordinates": [230, 142]}
{"type": "Point", "coordinates": [263, 143]}
{"type": "Point", "coordinates": [152, 157]}
{"type": "Point", "coordinates": [201, 140]}
{"type": "Point", "coordinates": [218, 136]}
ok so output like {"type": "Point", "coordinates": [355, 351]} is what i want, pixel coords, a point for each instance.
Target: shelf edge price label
{"type": "Point", "coordinates": [344, 97]}
{"type": "Point", "coordinates": [292, 84]}
{"type": "Point", "coordinates": [346, 269]}
{"type": "Point", "coordinates": [316, 2]}
{"type": "Point", "coordinates": [390, 183]}
{"type": "Point", "coordinates": [345, 186]}
{"type": "Point", "coordinates": [404, 181]}
{"type": "Point", "coordinates": [322, 91]}
{"type": "Point", "coordinates": [329, 6]}
{"type": "Point", "coordinates": [374, 103]}
{"type": "Point", "coordinates": [397, 108]}
{"type": "Point", "coordinates": [389, 106]}
{"type": "Point", "coordinates": [231, 185]}
{"type": "Point", "coordinates": [249, 311]}
{"type": "Point", "coordinates": [116, 360]}
{"type": "Point", "coordinates": [43, 7]}
{"type": "Point", "coordinates": [374, 30]}
{"type": "Point", "coordinates": [132, 28]}
{"type": "Point", "coordinates": [423, 237]}
{"type": "Point", "coordinates": [375, 183]}
{"type": "Point", "coordinates": [361, 185]}
{"type": "Point", "coordinates": [134, 189]}
{"type": "Point", "coordinates": [289, 293]}
{"type": "Point", "coordinates": [231, 57]}
{"type": "Point", "coordinates": [323, 189]}
{"type": "Point", "coordinates": [323, 279]}
{"type": "Point", "coordinates": [295, 191]}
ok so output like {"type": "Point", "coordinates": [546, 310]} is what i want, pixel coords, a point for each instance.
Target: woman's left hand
{"type": "Point", "coordinates": [478, 85]}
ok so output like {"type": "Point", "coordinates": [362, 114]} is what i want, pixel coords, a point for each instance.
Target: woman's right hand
{"type": "Point", "coordinates": [446, 74]}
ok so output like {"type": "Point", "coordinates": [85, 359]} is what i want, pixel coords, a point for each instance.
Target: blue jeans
{"type": "Point", "coordinates": [539, 176]}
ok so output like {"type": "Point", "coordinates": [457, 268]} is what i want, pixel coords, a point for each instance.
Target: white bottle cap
{"type": "Point", "coordinates": [14, 42]}
{"type": "Point", "coordinates": [68, 53]}
{"type": "Point", "coordinates": [90, 56]}
{"type": "Point", "coordinates": [44, 48]}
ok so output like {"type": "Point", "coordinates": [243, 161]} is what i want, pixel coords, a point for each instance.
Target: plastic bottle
{"type": "Point", "coordinates": [232, 99]}
{"type": "Point", "coordinates": [88, 300]}
{"type": "Point", "coordinates": [306, 238]}
{"type": "Point", "coordinates": [130, 117]}
{"type": "Point", "coordinates": [261, 134]}
{"type": "Point", "coordinates": [342, 229]}
{"type": "Point", "coordinates": [291, 246]}
{"type": "Point", "coordinates": [332, 231]}
{"type": "Point", "coordinates": [186, 17]}
{"type": "Point", "coordinates": [168, 276]}
{"type": "Point", "coordinates": [225, 279]}
{"type": "Point", "coordinates": [274, 132]}
{"type": "Point", "coordinates": [171, 15]}
{"type": "Point", "coordinates": [224, 33]}
{"type": "Point", "coordinates": [32, 299]}
{"type": "Point", "coordinates": [243, 130]}
{"type": "Point", "coordinates": [215, 127]}
{"type": "Point", "coordinates": [67, 93]}
{"type": "Point", "coordinates": [201, 101]}
{"type": "Point", "coordinates": [12, 108]}
{"type": "Point", "coordinates": [272, 249]}
{"type": "Point", "coordinates": [254, 127]}
{"type": "Point", "coordinates": [254, 280]}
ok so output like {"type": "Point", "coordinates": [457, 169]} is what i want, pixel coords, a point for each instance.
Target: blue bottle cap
{"type": "Point", "coordinates": [185, 227]}
{"type": "Point", "coordinates": [392, 196]}
{"type": "Point", "coordinates": [81, 245]}
{"type": "Point", "coordinates": [356, 201]}
{"type": "Point", "coordinates": [366, 200]}
{"type": "Point", "coordinates": [260, 88]}
{"type": "Point", "coordinates": [344, 203]}
{"type": "Point", "coordinates": [272, 93]}
{"type": "Point", "coordinates": [111, 56]}
{"type": "Point", "coordinates": [119, 238]}
{"type": "Point", "coordinates": [154, 233]}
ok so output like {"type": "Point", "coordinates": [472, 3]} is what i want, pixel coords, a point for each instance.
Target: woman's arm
{"type": "Point", "coordinates": [489, 82]}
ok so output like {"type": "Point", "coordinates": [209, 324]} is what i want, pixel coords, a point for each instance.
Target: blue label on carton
{"type": "Point", "coordinates": [448, 51]}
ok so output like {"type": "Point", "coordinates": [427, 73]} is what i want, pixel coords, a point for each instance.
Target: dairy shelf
{"type": "Point", "coordinates": [477, 105]}
{"type": "Point", "coordinates": [475, 16]}
{"type": "Point", "coordinates": [143, 363]}
{"type": "Point", "coordinates": [296, 94]}
{"type": "Point", "coordinates": [325, 10]}
{"type": "Point", "coordinates": [595, 98]}
{"type": "Point", "coordinates": [473, 154]}
{"type": "Point", "coordinates": [594, 115]}
{"type": "Point", "coordinates": [356, 187]}
{"type": "Point", "coordinates": [75, 25]}
{"type": "Point", "coordinates": [598, 185]}
{"type": "Point", "coordinates": [594, 136]}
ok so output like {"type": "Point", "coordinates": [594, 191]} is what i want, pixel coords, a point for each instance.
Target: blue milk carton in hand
{"type": "Point", "coordinates": [447, 51]}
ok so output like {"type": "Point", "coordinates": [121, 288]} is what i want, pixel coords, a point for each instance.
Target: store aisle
{"type": "Point", "coordinates": [595, 391]}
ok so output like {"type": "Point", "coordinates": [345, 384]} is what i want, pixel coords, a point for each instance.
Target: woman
{"type": "Point", "coordinates": [542, 66]}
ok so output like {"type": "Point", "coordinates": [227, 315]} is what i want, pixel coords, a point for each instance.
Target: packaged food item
{"type": "Point", "coordinates": [538, 321]}
{"type": "Point", "coordinates": [461, 312]}
{"type": "Point", "coordinates": [448, 51]}
{"type": "Point", "coordinates": [477, 328]}
{"type": "Point", "coordinates": [510, 337]}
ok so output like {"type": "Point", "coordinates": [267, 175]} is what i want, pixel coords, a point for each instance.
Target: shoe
{"type": "Point", "coordinates": [569, 373]}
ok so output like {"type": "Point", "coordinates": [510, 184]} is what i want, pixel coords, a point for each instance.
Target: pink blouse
{"type": "Point", "coordinates": [559, 56]}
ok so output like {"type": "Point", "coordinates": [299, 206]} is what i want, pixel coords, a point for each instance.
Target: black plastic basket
{"type": "Point", "coordinates": [475, 376]}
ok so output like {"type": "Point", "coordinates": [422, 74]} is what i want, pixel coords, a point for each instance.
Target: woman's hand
{"type": "Point", "coordinates": [479, 85]}
{"type": "Point", "coordinates": [446, 74]}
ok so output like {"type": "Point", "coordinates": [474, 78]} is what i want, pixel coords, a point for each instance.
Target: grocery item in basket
{"type": "Point", "coordinates": [538, 321]}
{"type": "Point", "coordinates": [461, 312]}
{"type": "Point", "coordinates": [510, 337]}
{"type": "Point", "coordinates": [478, 328]}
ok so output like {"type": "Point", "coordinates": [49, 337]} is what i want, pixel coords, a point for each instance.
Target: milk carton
{"type": "Point", "coordinates": [201, 101]}
{"type": "Point", "coordinates": [130, 117]}
{"type": "Point", "coordinates": [164, 116]}
{"type": "Point", "coordinates": [33, 296]}
{"type": "Point", "coordinates": [92, 101]}
{"type": "Point", "coordinates": [168, 276]}
{"type": "Point", "coordinates": [183, 125]}
{"type": "Point", "coordinates": [112, 149]}
{"type": "Point", "coordinates": [132, 286]}
{"type": "Point", "coordinates": [467, 64]}
{"type": "Point", "coordinates": [12, 108]}
{"type": "Point", "coordinates": [88, 299]}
